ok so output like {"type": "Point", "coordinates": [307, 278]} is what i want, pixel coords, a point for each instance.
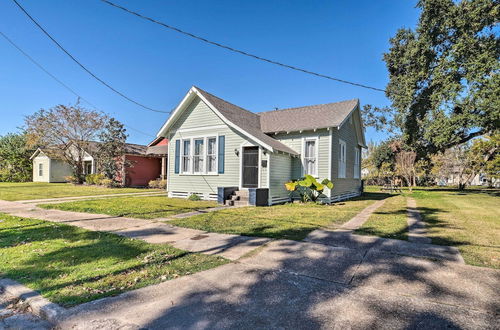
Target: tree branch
{"type": "Point", "coordinates": [465, 139]}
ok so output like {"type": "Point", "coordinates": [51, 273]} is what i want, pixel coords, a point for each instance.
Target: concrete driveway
{"type": "Point", "coordinates": [304, 285]}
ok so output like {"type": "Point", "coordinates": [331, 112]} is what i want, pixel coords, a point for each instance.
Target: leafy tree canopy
{"type": "Point", "coordinates": [444, 75]}
{"type": "Point", "coordinates": [15, 163]}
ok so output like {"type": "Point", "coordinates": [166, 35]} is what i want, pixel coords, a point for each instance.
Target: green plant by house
{"type": "Point", "coordinates": [194, 197]}
{"type": "Point", "coordinates": [308, 189]}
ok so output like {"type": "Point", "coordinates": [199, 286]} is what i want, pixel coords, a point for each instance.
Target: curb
{"type": "Point", "coordinates": [39, 305]}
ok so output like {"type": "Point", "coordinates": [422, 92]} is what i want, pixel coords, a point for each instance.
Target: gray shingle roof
{"type": "Point", "coordinates": [285, 120]}
{"type": "Point", "coordinates": [246, 120]}
{"type": "Point", "coordinates": [306, 118]}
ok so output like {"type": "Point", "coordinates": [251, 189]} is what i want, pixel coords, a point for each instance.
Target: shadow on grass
{"type": "Point", "coordinates": [86, 265]}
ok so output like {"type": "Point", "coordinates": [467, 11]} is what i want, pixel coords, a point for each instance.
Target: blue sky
{"type": "Point", "coordinates": [155, 66]}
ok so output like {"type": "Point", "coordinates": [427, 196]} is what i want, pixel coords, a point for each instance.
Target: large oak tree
{"type": "Point", "coordinates": [444, 75]}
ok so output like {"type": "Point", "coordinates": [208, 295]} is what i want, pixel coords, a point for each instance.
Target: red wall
{"type": "Point", "coordinates": [162, 142]}
{"type": "Point", "coordinates": [143, 170]}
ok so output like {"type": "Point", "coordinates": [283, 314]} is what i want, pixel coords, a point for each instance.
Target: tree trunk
{"type": "Point", "coordinates": [461, 186]}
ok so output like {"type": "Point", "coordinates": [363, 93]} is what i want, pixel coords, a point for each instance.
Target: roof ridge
{"type": "Point", "coordinates": [308, 106]}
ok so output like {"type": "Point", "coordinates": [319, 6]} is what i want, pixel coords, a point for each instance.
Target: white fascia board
{"type": "Point", "coordinates": [185, 101]}
{"type": "Point", "coordinates": [349, 114]}
{"type": "Point", "coordinates": [231, 124]}
{"type": "Point", "coordinates": [37, 151]}
{"type": "Point", "coordinates": [180, 107]}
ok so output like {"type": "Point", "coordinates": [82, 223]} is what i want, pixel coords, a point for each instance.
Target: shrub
{"type": "Point", "coordinates": [107, 183]}
{"type": "Point", "coordinates": [194, 197]}
{"type": "Point", "coordinates": [157, 184]}
{"type": "Point", "coordinates": [94, 178]}
{"type": "Point", "coordinates": [308, 189]}
{"type": "Point", "coordinates": [71, 179]}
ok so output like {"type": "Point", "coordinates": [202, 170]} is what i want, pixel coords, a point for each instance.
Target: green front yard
{"type": "Point", "coordinates": [69, 265]}
{"type": "Point", "coordinates": [469, 220]}
{"type": "Point", "coordinates": [289, 221]}
{"type": "Point", "coordinates": [40, 190]}
{"type": "Point", "coordinates": [387, 221]}
{"type": "Point", "coordinates": [144, 207]}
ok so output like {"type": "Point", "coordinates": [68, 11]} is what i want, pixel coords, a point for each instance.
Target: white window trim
{"type": "Point", "coordinates": [216, 152]}
{"type": "Point", "coordinates": [205, 155]}
{"type": "Point", "coordinates": [342, 162]}
{"type": "Point", "coordinates": [357, 163]}
{"type": "Point", "coordinates": [316, 151]}
{"type": "Point", "coordinates": [40, 169]}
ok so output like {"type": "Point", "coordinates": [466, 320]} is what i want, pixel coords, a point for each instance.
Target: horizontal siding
{"type": "Point", "coordinates": [347, 133]}
{"type": "Point", "coordinates": [207, 184]}
{"type": "Point", "coordinates": [197, 115]}
{"type": "Point", "coordinates": [281, 172]}
{"type": "Point", "coordinates": [295, 141]}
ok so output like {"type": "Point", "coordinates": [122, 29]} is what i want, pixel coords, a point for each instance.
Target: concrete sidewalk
{"type": "Point", "coordinates": [228, 246]}
{"type": "Point", "coordinates": [335, 280]}
{"type": "Point", "coordinates": [307, 286]}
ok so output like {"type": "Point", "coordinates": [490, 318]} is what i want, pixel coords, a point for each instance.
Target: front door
{"type": "Point", "coordinates": [250, 168]}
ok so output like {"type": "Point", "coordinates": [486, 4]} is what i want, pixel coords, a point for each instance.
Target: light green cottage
{"type": "Point", "coordinates": [223, 152]}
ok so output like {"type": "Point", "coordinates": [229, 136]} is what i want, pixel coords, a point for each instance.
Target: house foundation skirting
{"type": "Point", "coordinates": [186, 194]}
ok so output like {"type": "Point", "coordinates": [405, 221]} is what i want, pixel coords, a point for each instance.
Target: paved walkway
{"type": "Point", "coordinates": [228, 246]}
{"type": "Point", "coordinates": [416, 226]}
{"type": "Point", "coordinates": [307, 286]}
{"type": "Point", "coordinates": [339, 281]}
{"type": "Point", "coordinates": [360, 218]}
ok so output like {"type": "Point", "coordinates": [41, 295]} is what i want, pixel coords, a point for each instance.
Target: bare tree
{"type": "Point", "coordinates": [405, 166]}
{"type": "Point", "coordinates": [68, 130]}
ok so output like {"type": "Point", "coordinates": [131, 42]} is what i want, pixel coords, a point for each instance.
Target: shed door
{"type": "Point", "coordinates": [250, 167]}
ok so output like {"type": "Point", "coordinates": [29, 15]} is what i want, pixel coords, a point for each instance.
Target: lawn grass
{"type": "Point", "coordinates": [142, 207]}
{"type": "Point", "coordinates": [288, 221]}
{"type": "Point", "coordinates": [39, 190]}
{"type": "Point", "coordinates": [469, 220]}
{"type": "Point", "coordinates": [388, 221]}
{"type": "Point", "coordinates": [70, 265]}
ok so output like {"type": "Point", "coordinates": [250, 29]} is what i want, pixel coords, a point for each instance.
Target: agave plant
{"type": "Point", "coordinates": [308, 188]}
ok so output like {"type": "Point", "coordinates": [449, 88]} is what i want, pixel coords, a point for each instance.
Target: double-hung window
{"type": "Point", "coordinates": [342, 159]}
{"type": "Point", "coordinates": [212, 155]}
{"type": "Point", "coordinates": [186, 156]}
{"type": "Point", "coordinates": [310, 157]}
{"type": "Point", "coordinates": [40, 169]}
{"type": "Point", "coordinates": [357, 162]}
{"type": "Point", "coordinates": [198, 156]}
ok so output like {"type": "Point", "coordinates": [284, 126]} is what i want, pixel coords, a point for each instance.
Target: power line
{"type": "Point", "coordinates": [82, 66]}
{"type": "Point", "coordinates": [59, 81]}
{"type": "Point", "coordinates": [189, 34]}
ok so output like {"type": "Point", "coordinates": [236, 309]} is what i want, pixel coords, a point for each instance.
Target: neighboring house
{"type": "Point", "coordinates": [143, 165]}
{"type": "Point", "coordinates": [49, 166]}
{"type": "Point", "coordinates": [220, 149]}
{"type": "Point", "coordinates": [480, 179]}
